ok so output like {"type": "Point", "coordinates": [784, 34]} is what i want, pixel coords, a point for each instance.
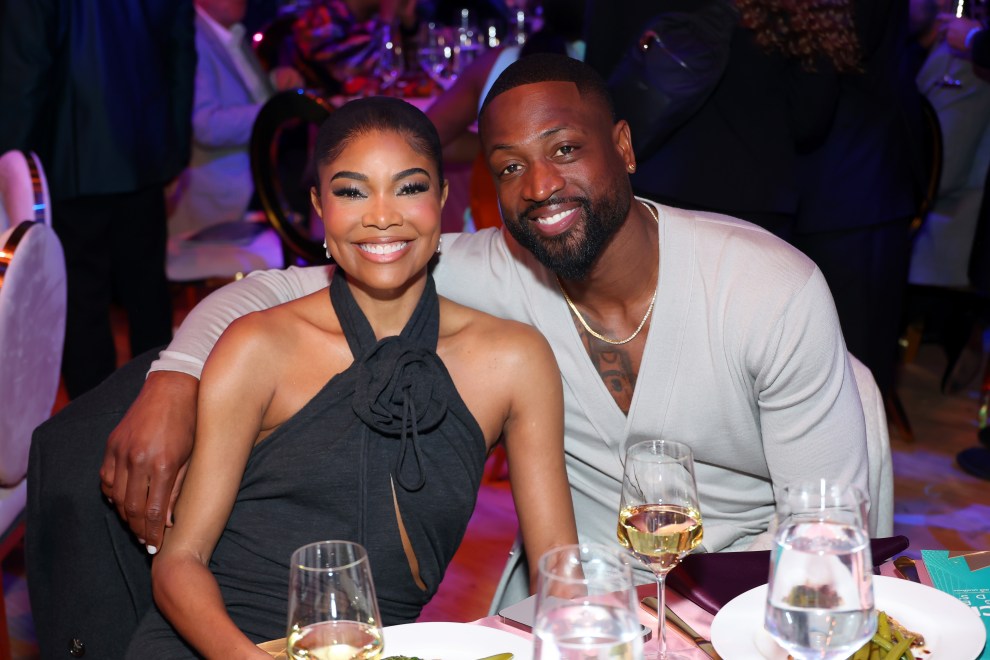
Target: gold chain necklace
{"type": "Point", "coordinates": [649, 310]}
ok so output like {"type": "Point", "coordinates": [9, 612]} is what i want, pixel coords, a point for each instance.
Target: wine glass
{"type": "Point", "coordinates": [820, 594]}
{"type": "Point", "coordinates": [439, 54]}
{"type": "Point", "coordinates": [586, 606]}
{"type": "Point", "coordinates": [333, 612]}
{"type": "Point", "coordinates": [390, 58]}
{"type": "Point", "coordinates": [840, 501]}
{"type": "Point", "coordinates": [659, 515]}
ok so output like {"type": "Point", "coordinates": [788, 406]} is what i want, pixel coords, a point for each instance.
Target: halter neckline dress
{"type": "Point", "coordinates": [391, 419]}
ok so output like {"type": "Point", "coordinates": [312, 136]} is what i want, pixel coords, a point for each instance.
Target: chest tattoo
{"type": "Point", "coordinates": [615, 366]}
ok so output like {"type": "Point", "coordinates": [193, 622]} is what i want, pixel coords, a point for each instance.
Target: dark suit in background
{"type": "Point", "coordinates": [980, 48]}
{"type": "Point", "coordinates": [829, 162]}
{"type": "Point", "coordinates": [736, 154]}
{"type": "Point", "coordinates": [861, 188]}
{"type": "Point", "coordinates": [103, 93]}
{"type": "Point", "coordinates": [88, 578]}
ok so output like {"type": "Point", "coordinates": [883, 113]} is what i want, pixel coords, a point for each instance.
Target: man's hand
{"type": "Point", "coordinates": [285, 77]}
{"type": "Point", "coordinates": [957, 29]}
{"type": "Point", "coordinates": [146, 455]}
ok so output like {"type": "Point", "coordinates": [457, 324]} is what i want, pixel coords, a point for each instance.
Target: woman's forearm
{"type": "Point", "coordinates": [188, 596]}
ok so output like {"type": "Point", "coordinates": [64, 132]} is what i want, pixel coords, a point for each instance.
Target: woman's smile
{"type": "Point", "coordinates": [384, 251]}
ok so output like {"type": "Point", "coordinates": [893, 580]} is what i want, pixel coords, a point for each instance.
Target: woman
{"type": "Point", "coordinates": [365, 414]}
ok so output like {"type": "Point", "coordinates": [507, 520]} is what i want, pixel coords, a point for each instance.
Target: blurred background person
{"type": "Point", "coordinates": [774, 98]}
{"type": "Point", "coordinates": [945, 300]}
{"type": "Point", "coordinates": [860, 190]}
{"type": "Point", "coordinates": [968, 36]}
{"type": "Point", "coordinates": [230, 89]}
{"type": "Point", "coordinates": [337, 40]}
{"type": "Point", "coordinates": [455, 112]}
{"type": "Point", "coordinates": [812, 131]}
{"type": "Point", "coordinates": [102, 92]}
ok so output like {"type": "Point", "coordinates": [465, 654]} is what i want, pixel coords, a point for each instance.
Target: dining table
{"type": "Point", "coordinates": [678, 641]}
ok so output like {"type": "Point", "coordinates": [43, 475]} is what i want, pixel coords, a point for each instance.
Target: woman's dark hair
{"type": "Point", "coordinates": [807, 30]}
{"type": "Point", "coordinates": [377, 114]}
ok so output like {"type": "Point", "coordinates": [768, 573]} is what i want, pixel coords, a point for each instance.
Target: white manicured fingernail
{"type": "Point", "coordinates": [151, 549]}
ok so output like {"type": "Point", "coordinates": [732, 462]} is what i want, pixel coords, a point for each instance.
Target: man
{"type": "Point", "coordinates": [664, 323]}
{"type": "Point", "coordinates": [968, 36]}
{"type": "Point", "coordinates": [103, 93]}
{"type": "Point", "coordinates": [230, 89]}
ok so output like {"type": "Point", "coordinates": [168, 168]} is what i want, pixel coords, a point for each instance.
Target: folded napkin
{"type": "Point", "coordinates": [711, 580]}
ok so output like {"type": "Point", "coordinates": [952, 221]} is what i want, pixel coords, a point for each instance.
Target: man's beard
{"type": "Point", "coordinates": [571, 255]}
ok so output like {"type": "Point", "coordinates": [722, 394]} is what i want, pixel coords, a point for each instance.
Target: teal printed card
{"type": "Point", "coordinates": [965, 575]}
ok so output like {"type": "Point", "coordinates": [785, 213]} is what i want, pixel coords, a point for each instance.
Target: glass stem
{"type": "Point", "coordinates": [661, 617]}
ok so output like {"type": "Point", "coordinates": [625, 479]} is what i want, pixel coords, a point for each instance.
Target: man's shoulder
{"type": "Point", "coordinates": [730, 236]}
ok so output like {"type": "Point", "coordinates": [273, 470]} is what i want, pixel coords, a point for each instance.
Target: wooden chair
{"type": "Point", "coordinates": [32, 330]}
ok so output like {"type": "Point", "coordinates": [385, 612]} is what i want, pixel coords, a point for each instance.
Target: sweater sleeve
{"type": "Point", "coordinates": [206, 322]}
{"type": "Point", "coordinates": [811, 416]}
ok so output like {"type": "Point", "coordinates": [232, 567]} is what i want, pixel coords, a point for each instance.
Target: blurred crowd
{"type": "Point", "coordinates": [819, 121]}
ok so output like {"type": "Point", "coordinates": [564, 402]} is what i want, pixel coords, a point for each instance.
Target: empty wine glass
{"type": "Point", "coordinates": [586, 607]}
{"type": "Point", "coordinates": [841, 500]}
{"type": "Point", "coordinates": [659, 515]}
{"type": "Point", "coordinates": [390, 58]}
{"type": "Point", "coordinates": [333, 612]}
{"type": "Point", "coordinates": [439, 54]}
{"type": "Point", "coordinates": [820, 594]}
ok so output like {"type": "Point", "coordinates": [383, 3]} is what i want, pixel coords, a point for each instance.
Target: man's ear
{"type": "Point", "coordinates": [622, 136]}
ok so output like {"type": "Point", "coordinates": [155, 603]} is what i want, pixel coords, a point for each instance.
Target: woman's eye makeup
{"type": "Point", "coordinates": [347, 191]}
{"type": "Point", "coordinates": [414, 187]}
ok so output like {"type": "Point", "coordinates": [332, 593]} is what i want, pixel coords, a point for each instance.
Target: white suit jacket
{"type": "Point", "coordinates": [217, 185]}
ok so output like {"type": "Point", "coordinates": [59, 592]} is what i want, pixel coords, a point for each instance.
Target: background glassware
{"type": "Point", "coordinates": [390, 58]}
{"type": "Point", "coordinates": [659, 515]}
{"type": "Point", "coordinates": [586, 605]}
{"type": "Point", "coordinates": [820, 595]}
{"type": "Point", "coordinates": [438, 54]}
{"type": "Point", "coordinates": [333, 612]}
{"type": "Point", "coordinates": [444, 52]}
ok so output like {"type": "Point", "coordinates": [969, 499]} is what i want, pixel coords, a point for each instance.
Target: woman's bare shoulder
{"type": "Point", "coordinates": [277, 331]}
{"type": "Point", "coordinates": [487, 334]}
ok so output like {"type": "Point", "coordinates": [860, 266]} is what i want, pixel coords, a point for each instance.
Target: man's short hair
{"type": "Point", "coordinates": [551, 67]}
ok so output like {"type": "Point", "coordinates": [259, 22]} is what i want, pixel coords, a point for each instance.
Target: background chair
{"type": "Point", "coordinates": [879, 462]}
{"type": "Point", "coordinates": [23, 190]}
{"type": "Point", "coordinates": [283, 170]}
{"type": "Point", "coordinates": [32, 329]}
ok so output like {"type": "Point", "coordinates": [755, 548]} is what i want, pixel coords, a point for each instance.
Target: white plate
{"type": "Point", "coordinates": [952, 630]}
{"type": "Point", "coordinates": [453, 641]}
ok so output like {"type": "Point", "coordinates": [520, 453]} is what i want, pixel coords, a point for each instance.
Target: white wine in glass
{"type": "Point", "coordinates": [659, 515]}
{"type": "Point", "coordinates": [333, 610]}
